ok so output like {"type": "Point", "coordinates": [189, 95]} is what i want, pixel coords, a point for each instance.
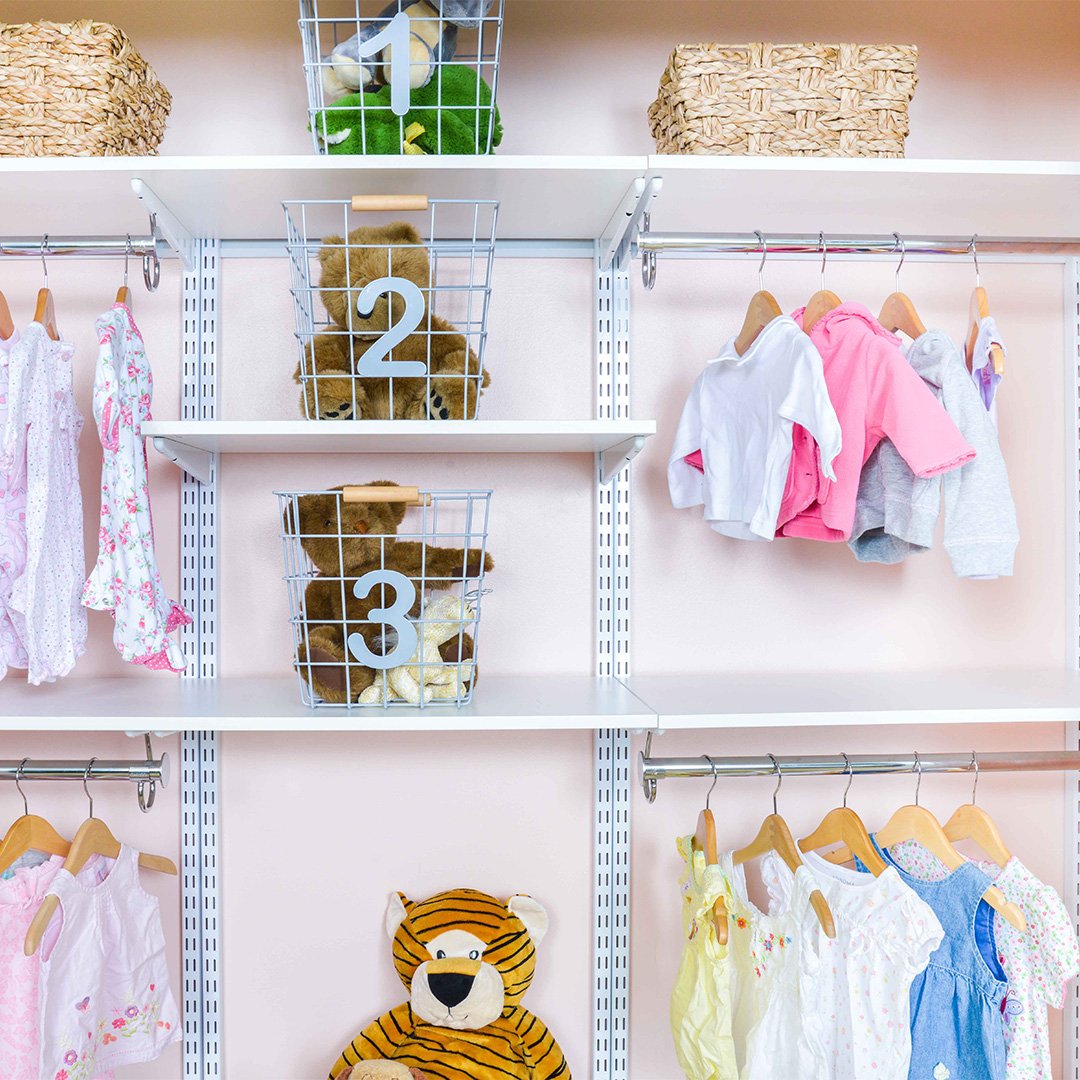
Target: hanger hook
{"type": "Point", "coordinates": [44, 264]}
{"type": "Point", "coordinates": [824, 256]}
{"type": "Point", "coordinates": [712, 765]}
{"type": "Point", "coordinates": [151, 266]}
{"type": "Point", "coordinates": [918, 772]}
{"type": "Point", "coordinates": [850, 776]}
{"type": "Point", "coordinates": [779, 781]}
{"type": "Point", "coordinates": [145, 804]}
{"type": "Point", "coordinates": [86, 776]}
{"type": "Point", "coordinates": [127, 255]}
{"type": "Point", "coordinates": [761, 265]}
{"type": "Point", "coordinates": [899, 242]}
{"type": "Point", "coordinates": [975, 766]}
{"type": "Point", "coordinates": [974, 249]}
{"type": "Point", "coordinates": [18, 786]}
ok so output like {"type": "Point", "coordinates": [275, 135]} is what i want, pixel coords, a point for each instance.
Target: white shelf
{"type": "Point", "coordinates": [867, 699]}
{"type": "Point", "coordinates": [189, 442]}
{"type": "Point", "coordinates": [1029, 199]}
{"type": "Point", "coordinates": [170, 703]}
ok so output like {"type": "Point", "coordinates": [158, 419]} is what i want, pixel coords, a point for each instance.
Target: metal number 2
{"type": "Point", "coordinates": [395, 35]}
{"type": "Point", "coordinates": [396, 616]}
{"type": "Point", "coordinates": [373, 362]}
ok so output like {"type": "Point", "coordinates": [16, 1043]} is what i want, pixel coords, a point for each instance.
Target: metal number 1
{"type": "Point", "coordinates": [396, 616]}
{"type": "Point", "coordinates": [395, 36]}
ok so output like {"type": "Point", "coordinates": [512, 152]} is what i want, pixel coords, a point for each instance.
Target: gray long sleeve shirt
{"type": "Point", "coordinates": [896, 512]}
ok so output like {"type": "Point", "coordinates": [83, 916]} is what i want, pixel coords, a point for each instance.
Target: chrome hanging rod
{"type": "Point", "coordinates": [85, 246]}
{"type": "Point", "coordinates": [137, 772]}
{"type": "Point", "coordinates": [654, 769]}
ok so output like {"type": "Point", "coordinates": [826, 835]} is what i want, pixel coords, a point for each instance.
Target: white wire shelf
{"type": "Point", "coordinates": [189, 443]}
{"type": "Point", "coordinates": [861, 699]}
{"type": "Point", "coordinates": [170, 703]}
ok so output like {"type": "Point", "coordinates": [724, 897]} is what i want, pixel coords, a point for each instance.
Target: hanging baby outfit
{"type": "Point", "coordinates": [12, 532]}
{"type": "Point", "coordinates": [106, 999]}
{"type": "Point", "coordinates": [740, 415]}
{"type": "Point", "coordinates": [126, 580]}
{"type": "Point", "coordinates": [957, 1031]}
{"type": "Point", "coordinates": [701, 1001]}
{"type": "Point", "coordinates": [896, 511]}
{"type": "Point", "coordinates": [877, 395]}
{"type": "Point", "coordinates": [982, 363]}
{"type": "Point", "coordinates": [1039, 962]}
{"type": "Point", "coordinates": [42, 430]}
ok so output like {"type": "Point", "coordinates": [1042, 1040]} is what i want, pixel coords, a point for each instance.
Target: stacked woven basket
{"type": "Point", "coordinates": [796, 100]}
{"type": "Point", "coordinates": [77, 89]}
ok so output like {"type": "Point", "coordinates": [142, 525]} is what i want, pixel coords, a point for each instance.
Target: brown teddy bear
{"type": "Point", "coordinates": [330, 389]}
{"type": "Point", "coordinates": [333, 612]}
{"type": "Point", "coordinates": [380, 1070]}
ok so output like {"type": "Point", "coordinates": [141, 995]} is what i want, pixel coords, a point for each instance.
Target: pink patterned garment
{"type": "Point", "coordinates": [105, 994]}
{"type": "Point", "coordinates": [126, 580]}
{"type": "Point", "coordinates": [20, 897]}
{"type": "Point", "coordinates": [12, 533]}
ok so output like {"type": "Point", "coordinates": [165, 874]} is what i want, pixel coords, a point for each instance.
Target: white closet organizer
{"type": "Point", "coordinates": [592, 207]}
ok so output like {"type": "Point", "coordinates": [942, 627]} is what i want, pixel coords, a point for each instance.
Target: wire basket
{"type": "Point", "coordinates": [385, 586]}
{"type": "Point", "coordinates": [405, 77]}
{"type": "Point", "coordinates": [391, 319]}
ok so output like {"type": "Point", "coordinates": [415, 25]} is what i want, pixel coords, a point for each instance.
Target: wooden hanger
{"type": "Point", "coordinates": [972, 822]}
{"type": "Point", "coordinates": [979, 309]}
{"type": "Point", "coordinates": [45, 312]}
{"type": "Point", "coordinates": [844, 826]}
{"type": "Point", "coordinates": [93, 838]}
{"type": "Point", "coordinates": [705, 841]}
{"type": "Point", "coordinates": [761, 310]}
{"type": "Point", "coordinates": [7, 323]}
{"type": "Point", "coordinates": [29, 833]}
{"type": "Point", "coordinates": [898, 312]}
{"type": "Point", "coordinates": [774, 835]}
{"type": "Point", "coordinates": [824, 300]}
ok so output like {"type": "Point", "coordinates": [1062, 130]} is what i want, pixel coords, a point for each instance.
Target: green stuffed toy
{"type": "Point", "coordinates": [447, 106]}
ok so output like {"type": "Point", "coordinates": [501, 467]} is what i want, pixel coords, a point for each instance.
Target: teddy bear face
{"type": "Point", "coordinates": [339, 537]}
{"type": "Point", "coordinates": [370, 253]}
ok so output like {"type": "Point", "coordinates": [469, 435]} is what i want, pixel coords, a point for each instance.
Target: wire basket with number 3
{"type": "Point", "coordinates": [385, 586]}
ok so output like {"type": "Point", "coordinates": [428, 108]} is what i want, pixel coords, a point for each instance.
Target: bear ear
{"type": "Point", "coordinates": [531, 912]}
{"type": "Point", "coordinates": [332, 245]}
{"type": "Point", "coordinates": [397, 910]}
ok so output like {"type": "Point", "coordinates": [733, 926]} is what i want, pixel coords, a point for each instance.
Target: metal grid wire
{"type": "Point", "coordinates": [448, 275]}
{"type": "Point", "coordinates": [333, 68]}
{"type": "Point", "coordinates": [439, 551]}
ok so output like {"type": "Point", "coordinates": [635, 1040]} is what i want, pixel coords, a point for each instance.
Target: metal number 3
{"type": "Point", "coordinates": [373, 361]}
{"type": "Point", "coordinates": [395, 616]}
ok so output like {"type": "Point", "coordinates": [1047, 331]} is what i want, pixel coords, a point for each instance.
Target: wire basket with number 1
{"type": "Point", "coordinates": [385, 585]}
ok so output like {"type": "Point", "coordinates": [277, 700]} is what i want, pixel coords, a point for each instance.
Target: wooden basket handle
{"type": "Point", "coordinates": [355, 493]}
{"type": "Point", "coordinates": [395, 203]}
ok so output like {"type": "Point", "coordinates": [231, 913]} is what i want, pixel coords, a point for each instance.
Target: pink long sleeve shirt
{"type": "Point", "coordinates": [876, 395]}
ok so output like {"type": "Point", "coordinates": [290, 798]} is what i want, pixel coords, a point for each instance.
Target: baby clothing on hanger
{"type": "Point", "coordinates": [12, 531]}
{"type": "Point", "coordinates": [45, 597]}
{"type": "Point", "coordinates": [896, 511]}
{"type": "Point", "coordinates": [1039, 962]}
{"type": "Point", "coordinates": [126, 580]}
{"type": "Point", "coordinates": [701, 1001]}
{"type": "Point", "coordinates": [855, 988]}
{"type": "Point", "coordinates": [876, 395]}
{"type": "Point", "coordinates": [982, 364]}
{"type": "Point", "coordinates": [740, 415]}
{"type": "Point", "coordinates": [106, 999]}
{"type": "Point", "coordinates": [957, 1030]}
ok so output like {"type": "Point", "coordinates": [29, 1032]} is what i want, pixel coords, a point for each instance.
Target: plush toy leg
{"type": "Point", "coordinates": [455, 390]}
{"type": "Point", "coordinates": [335, 676]}
{"type": "Point", "coordinates": [380, 1070]}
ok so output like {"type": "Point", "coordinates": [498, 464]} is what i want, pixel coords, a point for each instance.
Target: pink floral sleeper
{"type": "Point", "coordinates": [126, 580]}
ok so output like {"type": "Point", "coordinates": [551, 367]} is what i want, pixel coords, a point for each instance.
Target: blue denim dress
{"type": "Point", "coordinates": [957, 1027]}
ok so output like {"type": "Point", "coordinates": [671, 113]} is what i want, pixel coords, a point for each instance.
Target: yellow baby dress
{"type": "Point", "coordinates": [701, 1011]}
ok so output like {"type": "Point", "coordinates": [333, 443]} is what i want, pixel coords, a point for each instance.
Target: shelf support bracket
{"type": "Point", "coordinates": [170, 227]}
{"type": "Point", "coordinates": [620, 230]}
{"type": "Point", "coordinates": [195, 462]}
{"type": "Point", "coordinates": [615, 458]}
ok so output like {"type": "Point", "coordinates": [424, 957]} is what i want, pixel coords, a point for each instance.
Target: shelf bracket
{"type": "Point", "coordinates": [178, 237]}
{"type": "Point", "coordinates": [620, 229]}
{"type": "Point", "coordinates": [195, 462]}
{"type": "Point", "coordinates": [614, 459]}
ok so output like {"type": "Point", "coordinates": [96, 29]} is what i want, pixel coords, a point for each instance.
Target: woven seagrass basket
{"type": "Point", "coordinates": [77, 89]}
{"type": "Point", "coordinates": [794, 100]}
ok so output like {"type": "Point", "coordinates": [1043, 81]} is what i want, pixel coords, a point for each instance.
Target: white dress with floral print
{"type": "Point", "coordinates": [42, 430]}
{"type": "Point", "coordinates": [12, 532]}
{"type": "Point", "coordinates": [126, 580]}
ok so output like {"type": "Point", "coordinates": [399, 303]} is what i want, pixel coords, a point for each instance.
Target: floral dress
{"type": "Point", "coordinates": [126, 580]}
{"type": "Point", "coordinates": [41, 435]}
{"type": "Point", "coordinates": [12, 533]}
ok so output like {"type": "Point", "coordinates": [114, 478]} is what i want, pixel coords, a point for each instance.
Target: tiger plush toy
{"type": "Point", "coordinates": [466, 960]}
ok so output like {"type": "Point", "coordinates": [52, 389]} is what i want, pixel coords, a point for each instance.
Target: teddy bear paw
{"type": "Point", "coordinates": [438, 408]}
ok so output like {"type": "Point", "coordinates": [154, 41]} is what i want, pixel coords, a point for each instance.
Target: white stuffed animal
{"type": "Point", "coordinates": [443, 620]}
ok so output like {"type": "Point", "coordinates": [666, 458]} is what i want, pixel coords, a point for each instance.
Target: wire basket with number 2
{"type": "Point", "coordinates": [385, 586]}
